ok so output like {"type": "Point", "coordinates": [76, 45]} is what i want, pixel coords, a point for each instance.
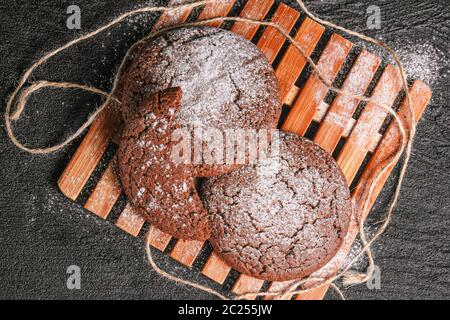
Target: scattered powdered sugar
{"type": "Point", "coordinates": [422, 61]}
{"type": "Point", "coordinates": [52, 202]}
{"type": "Point", "coordinates": [354, 257]}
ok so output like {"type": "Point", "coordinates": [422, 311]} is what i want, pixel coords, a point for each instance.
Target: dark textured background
{"type": "Point", "coordinates": [42, 233]}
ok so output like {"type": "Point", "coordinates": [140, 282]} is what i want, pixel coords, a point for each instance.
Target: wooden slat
{"type": "Point", "coordinates": [321, 110]}
{"type": "Point", "coordinates": [293, 62]}
{"type": "Point", "coordinates": [290, 67]}
{"type": "Point", "coordinates": [218, 8]}
{"type": "Point", "coordinates": [343, 107]}
{"type": "Point", "coordinates": [372, 117]}
{"type": "Point", "coordinates": [160, 240]}
{"type": "Point", "coordinates": [186, 251]}
{"type": "Point", "coordinates": [214, 9]}
{"type": "Point", "coordinates": [347, 131]}
{"type": "Point", "coordinates": [314, 91]}
{"type": "Point", "coordinates": [245, 284]}
{"type": "Point", "coordinates": [215, 268]}
{"type": "Point", "coordinates": [256, 10]}
{"type": "Point", "coordinates": [130, 221]}
{"type": "Point", "coordinates": [420, 96]}
{"type": "Point", "coordinates": [171, 18]}
{"type": "Point", "coordinates": [292, 96]}
{"type": "Point", "coordinates": [277, 287]}
{"type": "Point", "coordinates": [88, 154]}
{"type": "Point", "coordinates": [105, 193]}
{"type": "Point", "coordinates": [316, 294]}
{"type": "Point", "coordinates": [271, 40]}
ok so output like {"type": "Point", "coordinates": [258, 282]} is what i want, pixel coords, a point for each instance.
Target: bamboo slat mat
{"type": "Point", "coordinates": [357, 134]}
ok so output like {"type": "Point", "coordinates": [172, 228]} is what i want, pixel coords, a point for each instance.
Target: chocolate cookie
{"type": "Point", "coordinates": [160, 188]}
{"type": "Point", "coordinates": [226, 80]}
{"type": "Point", "coordinates": [282, 218]}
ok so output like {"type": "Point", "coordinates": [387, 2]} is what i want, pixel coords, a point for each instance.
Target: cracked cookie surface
{"type": "Point", "coordinates": [283, 217]}
{"type": "Point", "coordinates": [226, 80]}
{"type": "Point", "coordinates": [161, 189]}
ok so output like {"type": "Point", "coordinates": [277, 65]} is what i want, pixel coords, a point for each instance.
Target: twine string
{"type": "Point", "coordinates": [407, 142]}
{"type": "Point", "coordinates": [39, 85]}
{"type": "Point", "coordinates": [172, 277]}
{"type": "Point", "coordinates": [20, 106]}
{"type": "Point", "coordinates": [349, 278]}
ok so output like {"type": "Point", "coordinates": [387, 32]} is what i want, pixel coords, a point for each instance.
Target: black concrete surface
{"type": "Point", "coordinates": [42, 233]}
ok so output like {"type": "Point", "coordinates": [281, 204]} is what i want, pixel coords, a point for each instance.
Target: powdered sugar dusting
{"type": "Point", "coordinates": [422, 61]}
{"type": "Point", "coordinates": [332, 55]}
{"type": "Point", "coordinates": [337, 119]}
{"type": "Point", "coordinates": [289, 210]}
{"type": "Point", "coordinates": [282, 188]}
{"type": "Point", "coordinates": [356, 82]}
{"type": "Point", "coordinates": [226, 80]}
